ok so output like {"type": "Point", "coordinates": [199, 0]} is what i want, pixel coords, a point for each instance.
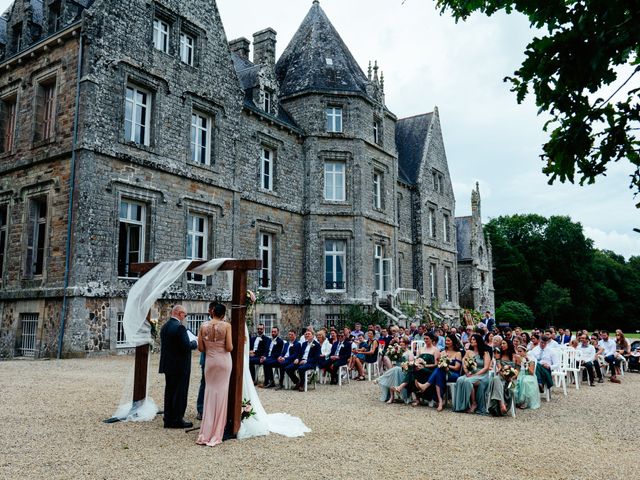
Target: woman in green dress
{"type": "Point", "coordinates": [500, 396]}
{"type": "Point", "coordinates": [420, 373]}
{"type": "Point", "coordinates": [394, 377]}
{"type": "Point", "coordinates": [471, 387]}
{"type": "Point", "coordinates": [527, 393]}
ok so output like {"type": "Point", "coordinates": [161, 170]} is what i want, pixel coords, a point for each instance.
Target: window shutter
{"type": "Point", "coordinates": [122, 250]}
{"type": "Point", "coordinates": [40, 107]}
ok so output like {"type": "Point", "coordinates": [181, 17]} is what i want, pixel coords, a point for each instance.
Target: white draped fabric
{"type": "Point", "coordinates": [142, 296]}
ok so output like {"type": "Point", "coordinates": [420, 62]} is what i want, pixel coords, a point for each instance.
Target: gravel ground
{"type": "Point", "coordinates": [52, 428]}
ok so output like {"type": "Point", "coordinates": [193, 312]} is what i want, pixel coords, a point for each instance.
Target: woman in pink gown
{"type": "Point", "coordinates": [214, 338]}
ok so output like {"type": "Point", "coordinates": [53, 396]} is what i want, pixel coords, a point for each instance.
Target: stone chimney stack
{"type": "Point", "coordinates": [475, 202]}
{"type": "Point", "coordinates": [264, 47]}
{"type": "Point", "coordinates": [240, 46]}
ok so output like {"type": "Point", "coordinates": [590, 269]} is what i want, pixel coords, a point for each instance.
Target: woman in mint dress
{"type": "Point", "coordinates": [471, 388]}
{"type": "Point", "coordinates": [527, 393]}
{"type": "Point", "coordinates": [429, 354]}
{"type": "Point", "coordinates": [393, 377]}
{"type": "Point", "coordinates": [500, 396]}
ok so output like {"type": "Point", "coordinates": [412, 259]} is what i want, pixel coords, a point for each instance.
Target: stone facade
{"type": "Point", "coordinates": [170, 141]}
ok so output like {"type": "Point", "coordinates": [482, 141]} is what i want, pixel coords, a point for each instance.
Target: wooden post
{"type": "Point", "coordinates": [238, 312]}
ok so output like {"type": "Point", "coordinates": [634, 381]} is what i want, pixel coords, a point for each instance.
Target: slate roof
{"type": "Point", "coordinates": [463, 235]}
{"type": "Point", "coordinates": [317, 59]}
{"type": "Point", "coordinates": [248, 75]}
{"type": "Point", "coordinates": [411, 139]}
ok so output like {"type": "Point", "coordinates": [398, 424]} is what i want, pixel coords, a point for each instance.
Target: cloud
{"type": "Point", "coordinates": [622, 243]}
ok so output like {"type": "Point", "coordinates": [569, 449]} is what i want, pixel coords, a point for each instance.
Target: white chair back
{"type": "Point", "coordinates": [416, 346]}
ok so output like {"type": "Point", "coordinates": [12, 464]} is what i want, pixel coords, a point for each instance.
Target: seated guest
{"type": "Point", "coordinates": [357, 331]}
{"type": "Point", "coordinates": [471, 387]}
{"type": "Point", "coordinates": [271, 358]}
{"type": "Point", "coordinates": [587, 356]}
{"type": "Point", "coordinates": [338, 357]}
{"type": "Point", "coordinates": [551, 343]}
{"type": "Point", "coordinates": [526, 338]}
{"type": "Point", "coordinates": [394, 376]}
{"type": "Point", "coordinates": [420, 374]}
{"type": "Point", "coordinates": [440, 339]}
{"type": "Point", "coordinates": [466, 335]}
{"type": "Point", "coordinates": [535, 341]}
{"type": "Point", "coordinates": [444, 373]}
{"type": "Point", "coordinates": [548, 360]}
{"type": "Point", "coordinates": [290, 353]}
{"type": "Point", "coordinates": [370, 350]}
{"type": "Point", "coordinates": [325, 348]}
{"type": "Point", "coordinates": [500, 396]}
{"type": "Point", "coordinates": [357, 344]}
{"type": "Point", "coordinates": [611, 356]}
{"type": "Point", "coordinates": [307, 360]}
{"type": "Point", "coordinates": [419, 334]}
{"type": "Point", "coordinates": [595, 341]}
{"type": "Point", "coordinates": [527, 393]}
{"type": "Point", "coordinates": [623, 348]}
{"type": "Point", "coordinates": [259, 346]}
{"type": "Point", "coordinates": [517, 341]}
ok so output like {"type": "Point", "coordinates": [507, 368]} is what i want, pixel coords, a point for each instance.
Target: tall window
{"type": "Point", "coordinates": [36, 237]}
{"type": "Point", "coordinates": [447, 284]}
{"type": "Point", "coordinates": [334, 181]}
{"type": "Point", "coordinates": [432, 280]}
{"type": "Point", "coordinates": [377, 134]}
{"type": "Point", "coordinates": [377, 190]}
{"type": "Point", "coordinates": [121, 338]}
{"type": "Point", "coordinates": [201, 128]}
{"type": "Point", "coordinates": [266, 255]}
{"type": "Point", "coordinates": [266, 168]}
{"type": "Point", "coordinates": [334, 119]}
{"type": "Point", "coordinates": [161, 35]}
{"type": "Point", "coordinates": [9, 116]}
{"type": "Point", "coordinates": [334, 264]}
{"type": "Point", "coordinates": [381, 270]}
{"type": "Point", "coordinates": [445, 227]}
{"type": "Point", "coordinates": [197, 233]}
{"type": "Point", "coordinates": [268, 320]}
{"type": "Point", "coordinates": [3, 235]}
{"type": "Point", "coordinates": [137, 115]}
{"type": "Point", "coordinates": [55, 16]}
{"type": "Point", "coordinates": [45, 109]}
{"type": "Point", "coordinates": [187, 47]}
{"type": "Point", "coordinates": [266, 104]}
{"type": "Point", "coordinates": [131, 236]}
{"type": "Point", "coordinates": [432, 223]}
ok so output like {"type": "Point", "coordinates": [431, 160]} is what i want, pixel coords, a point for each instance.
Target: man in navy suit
{"type": "Point", "coordinates": [290, 353]}
{"type": "Point", "coordinates": [259, 346]}
{"type": "Point", "coordinates": [339, 356]}
{"type": "Point", "coordinates": [307, 360]}
{"type": "Point", "coordinates": [175, 363]}
{"type": "Point", "coordinates": [271, 359]}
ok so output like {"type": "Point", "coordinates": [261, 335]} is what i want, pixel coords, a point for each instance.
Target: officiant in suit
{"type": "Point", "coordinates": [259, 348]}
{"type": "Point", "coordinates": [175, 363]}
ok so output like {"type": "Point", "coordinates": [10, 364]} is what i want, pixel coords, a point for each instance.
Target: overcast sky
{"type": "Point", "coordinates": [428, 60]}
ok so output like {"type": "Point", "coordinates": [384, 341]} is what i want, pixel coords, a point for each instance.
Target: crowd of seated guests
{"type": "Point", "coordinates": [487, 371]}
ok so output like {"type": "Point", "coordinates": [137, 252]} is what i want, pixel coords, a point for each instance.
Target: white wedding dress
{"type": "Point", "coordinates": [263, 423]}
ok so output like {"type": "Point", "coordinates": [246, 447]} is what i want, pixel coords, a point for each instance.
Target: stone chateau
{"type": "Point", "coordinates": [141, 134]}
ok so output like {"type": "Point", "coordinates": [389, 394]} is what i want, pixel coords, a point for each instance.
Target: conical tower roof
{"type": "Point", "coordinates": [317, 59]}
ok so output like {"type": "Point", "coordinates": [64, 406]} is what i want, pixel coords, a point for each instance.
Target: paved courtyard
{"type": "Point", "coordinates": [52, 428]}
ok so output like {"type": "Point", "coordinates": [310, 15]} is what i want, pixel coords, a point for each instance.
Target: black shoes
{"type": "Point", "coordinates": [181, 424]}
{"type": "Point", "coordinates": [600, 380]}
{"type": "Point", "coordinates": [269, 385]}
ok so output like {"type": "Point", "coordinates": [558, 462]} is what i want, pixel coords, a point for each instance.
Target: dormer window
{"type": "Point", "coordinates": [334, 119]}
{"type": "Point", "coordinates": [267, 102]}
{"type": "Point", "coordinates": [55, 16]}
{"type": "Point", "coordinates": [17, 37]}
{"type": "Point", "coordinates": [161, 35]}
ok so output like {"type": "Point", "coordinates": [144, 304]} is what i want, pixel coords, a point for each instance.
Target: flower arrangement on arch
{"type": "Point", "coordinates": [247, 410]}
{"type": "Point", "coordinates": [153, 322]}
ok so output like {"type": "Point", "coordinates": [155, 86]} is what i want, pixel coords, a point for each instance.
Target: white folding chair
{"type": "Point", "coordinates": [572, 365]}
{"type": "Point", "coordinates": [559, 375]}
{"type": "Point", "coordinates": [311, 374]}
{"type": "Point", "coordinates": [373, 368]}
{"type": "Point", "coordinates": [416, 346]}
{"type": "Point", "coordinates": [343, 370]}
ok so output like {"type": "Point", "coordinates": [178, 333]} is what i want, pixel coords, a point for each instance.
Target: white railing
{"type": "Point", "coordinates": [390, 316]}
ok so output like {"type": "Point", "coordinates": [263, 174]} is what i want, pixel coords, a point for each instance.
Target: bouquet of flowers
{"type": "Point", "coordinates": [470, 364]}
{"type": "Point", "coordinates": [395, 352]}
{"type": "Point", "coordinates": [508, 372]}
{"type": "Point", "coordinates": [443, 361]}
{"type": "Point", "coordinates": [406, 366]}
{"type": "Point", "coordinates": [247, 410]}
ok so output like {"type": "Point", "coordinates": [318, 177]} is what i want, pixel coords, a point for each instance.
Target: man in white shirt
{"type": "Point", "coordinates": [610, 354]}
{"type": "Point", "coordinates": [587, 356]}
{"type": "Point", "coordinates": [547, 361]}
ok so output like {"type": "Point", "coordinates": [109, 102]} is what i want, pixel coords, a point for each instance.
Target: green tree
{"type": "Point", "coordinates": [516, 314]}
{"type": "Point", "coordinates": [589, 46]}
{"type": "Point", "coordinates": [554, 304]}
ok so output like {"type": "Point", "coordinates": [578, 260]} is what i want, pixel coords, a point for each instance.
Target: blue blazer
{"type": "Point", "coordinates": [294, 350]}
{"type": "Point", "coordinates": [345, 351]}
{"type": "Point", "coordinates": [277, 348]}
{"type": "Point", "coordinates": [314, 353]}
{"type": "Point", "coordinates": [263, 346]}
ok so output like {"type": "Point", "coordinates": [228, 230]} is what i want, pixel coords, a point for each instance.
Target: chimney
{"type": "Point", "coordinates": [264, 47]}
{"type": "Point", "coordinates": [240, 46]}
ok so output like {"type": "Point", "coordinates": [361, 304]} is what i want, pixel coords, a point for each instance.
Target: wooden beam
{"type": "Point", "coordinates": [140, 370]}
{"type": "Point", "coordinates": [143, 268]}
{"type": "Point", "coordinates": [238, 312]}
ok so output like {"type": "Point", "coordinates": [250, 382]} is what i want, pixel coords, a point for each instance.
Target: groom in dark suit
{"type": "Point", "coordinates": [175, 363]}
